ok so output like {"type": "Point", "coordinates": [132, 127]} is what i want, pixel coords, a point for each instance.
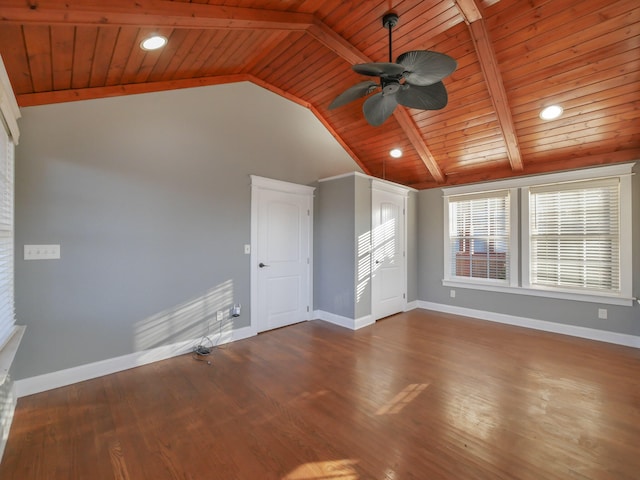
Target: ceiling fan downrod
{"type": "Point", "coordinates": [389, 21]}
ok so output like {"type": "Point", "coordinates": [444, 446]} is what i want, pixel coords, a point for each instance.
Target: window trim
{"type": "Point", "coordinates": [9, 114]}
{"type": "Point", "coordinates": [519, 222]}
{"type": "Point", "coordinates": [514, 258]}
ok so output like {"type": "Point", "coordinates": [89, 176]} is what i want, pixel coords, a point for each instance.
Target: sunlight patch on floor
{"type": "Point", "coordinates": [402, 399]}
{"type": "Point", "coordinates": [327, 470]}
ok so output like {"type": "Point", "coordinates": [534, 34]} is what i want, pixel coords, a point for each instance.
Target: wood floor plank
{"type": "Point", "coordinates": [420, 395]}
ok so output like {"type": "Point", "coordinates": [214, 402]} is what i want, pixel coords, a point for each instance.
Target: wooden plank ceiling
{"type": "Point", "coordinates": [514, 57]}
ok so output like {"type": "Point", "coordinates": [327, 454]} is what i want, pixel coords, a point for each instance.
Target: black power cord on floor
{"type": "Point", "coordinates": [203, 349]}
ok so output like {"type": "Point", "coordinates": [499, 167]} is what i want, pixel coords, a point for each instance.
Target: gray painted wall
{"type": "Point", "coordinates": [361, 242]}
{"type": "Point", "coordinates": [333, 252]}
{"type": "Point", "coordinates": [149, 198]}
{"type": "Point", "coordinates": [343, 239]}
{"type": "Point", "coordinates": [621, 319]}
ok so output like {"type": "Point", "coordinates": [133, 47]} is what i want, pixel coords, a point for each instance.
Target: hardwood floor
{"type": "Point", "coordinates": [420, 395]}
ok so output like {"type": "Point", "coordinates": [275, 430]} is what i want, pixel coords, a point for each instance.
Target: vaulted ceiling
{"type": "Point", "coordinates": [514, 58]}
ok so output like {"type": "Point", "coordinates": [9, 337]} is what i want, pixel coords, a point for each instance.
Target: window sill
{"type": "Point", "coordinates": [8, 352]}
{"type": "Point", "coordinates": [539, 292]}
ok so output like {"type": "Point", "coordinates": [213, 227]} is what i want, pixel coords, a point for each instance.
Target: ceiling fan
{"type": "Point", "coordinates": [415, 81]}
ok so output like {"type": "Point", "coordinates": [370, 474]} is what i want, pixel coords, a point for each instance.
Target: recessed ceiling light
{"type": "Point", "coordinates": [153, 43]}
{"type": "Point", "coordinates": [551, 112]}
{"type": "Point", "coordinates": [396, 153]}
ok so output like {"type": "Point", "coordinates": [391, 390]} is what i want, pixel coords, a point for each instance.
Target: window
{"type": "Point", "coordinates": [7, 319]}
{"type": "Point", "coordinates": [478, 243]}
{"type": "Point", "coordinates": [574, 238]}
{"type": "Point", "coordinates": [575, 229]}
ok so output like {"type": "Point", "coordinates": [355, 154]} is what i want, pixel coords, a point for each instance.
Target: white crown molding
{"type": "Point", "coordinates": [281, 186]}
{"type": "Point", "coordinates": [344, 175]}
{"type": "Point", "coordinates": [379, 182]}
{"type": "Point", "coordinates": [614, 170]}
{"type": "Point", "coordinates": [386, 186]}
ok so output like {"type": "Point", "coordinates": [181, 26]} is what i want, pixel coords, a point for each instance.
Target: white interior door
{"type": "Point", "coordinates": [388, 280]}
{"type": "Point", "coordinates": [282, 254]}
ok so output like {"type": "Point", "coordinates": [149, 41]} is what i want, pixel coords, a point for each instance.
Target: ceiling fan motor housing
{"type": "Point", "coordinates": [390, 20]}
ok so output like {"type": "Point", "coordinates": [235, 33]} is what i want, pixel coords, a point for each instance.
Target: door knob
{"type": "Point", "coordinates": [262, 265]}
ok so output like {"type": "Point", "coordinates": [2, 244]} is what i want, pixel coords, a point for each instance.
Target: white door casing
{"type": "Point", "coordinates": [281, 266]}
{"type": "Point", "coordinates": [388, 250]}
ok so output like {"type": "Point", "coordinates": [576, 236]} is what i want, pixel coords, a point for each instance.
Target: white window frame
{"type": "Point", "coordinates": [625, 220]}
{"type": "Point", "coordinates": [9, 114]}
{"type": "Point", "coordinates": [520, 217]}
{"type": "Point", "coordinates": [512, 273]}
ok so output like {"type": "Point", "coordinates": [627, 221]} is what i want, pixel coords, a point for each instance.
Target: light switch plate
{"type": "Point", "coordinates": [247, 249]}
{"type": "Point", "coordinates": [41, 252]}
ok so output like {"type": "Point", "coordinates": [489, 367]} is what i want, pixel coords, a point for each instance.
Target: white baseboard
{"type": "Point", "coordinates": [61, 378]}
{"type": "Point", "coordinates": [346, 322]}
{"type": "Point", "coordinates": [411, 306]}
{"type": "Point", "coordinates": [363, 322]}
{"type": "Point", "coordinates": [575, 331]}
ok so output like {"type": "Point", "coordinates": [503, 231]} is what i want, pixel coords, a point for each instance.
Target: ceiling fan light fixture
{"type": "Point", "coordinates": [153, 43]}
{"type": "Point", "coordinates": [396, 153]}
{"type": "Point", "coordinates": [551, 112]}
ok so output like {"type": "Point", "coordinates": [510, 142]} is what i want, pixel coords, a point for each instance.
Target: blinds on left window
{"type": "Point", "coordinates": [7, 311]}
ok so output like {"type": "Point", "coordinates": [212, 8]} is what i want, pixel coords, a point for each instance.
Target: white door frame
{"type": "Point", "coordinates": [404, 193]}
{"type": "Point", "coordinates": [263, 183]}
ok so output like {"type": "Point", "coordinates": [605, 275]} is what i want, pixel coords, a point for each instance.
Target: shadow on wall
{"type": "Point", "coordinates": [382, 245]}
{"type": "Point", "coordinates": [206, 316]}
{"type": "Point", "coordinates": [364, 264]}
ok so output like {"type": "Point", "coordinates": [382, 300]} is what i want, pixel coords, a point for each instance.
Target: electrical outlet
{"type": "Point", "coordinates": [602, 313]}
{"type": "Point", "coordinates": [220, 316]}
{"type": "Point", "coordinates": [452, 293]}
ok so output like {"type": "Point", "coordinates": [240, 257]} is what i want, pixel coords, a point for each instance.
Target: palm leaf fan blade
{"type": "Point", "coordinates": [353, 93]}
{"type": "Point", "coordinates": [423, 67]}
{"type": "Point", "coordinates": [429, 97]}
{"type": "Point", "coordinates": [378, 108]}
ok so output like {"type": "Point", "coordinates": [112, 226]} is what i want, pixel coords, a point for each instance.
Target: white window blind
{"type": "Point", "coordinates": [574, 235]}
{"type": "Point", "coordinates": [479, 236]}
{"type": "Point", "coordinates": [7, 317]}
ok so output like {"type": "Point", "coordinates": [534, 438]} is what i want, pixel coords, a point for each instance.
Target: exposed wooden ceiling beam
{"type": "Point", "coordinates": [415, 137]}
{"type": "Point", "coordinates": [337, 44]}
{"type": "Point", "coordinates": [154, 13]}
{"type": "Point", "coordinates": [159, 13]}
{"type": "Point", "coordinates": [489, 64]}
